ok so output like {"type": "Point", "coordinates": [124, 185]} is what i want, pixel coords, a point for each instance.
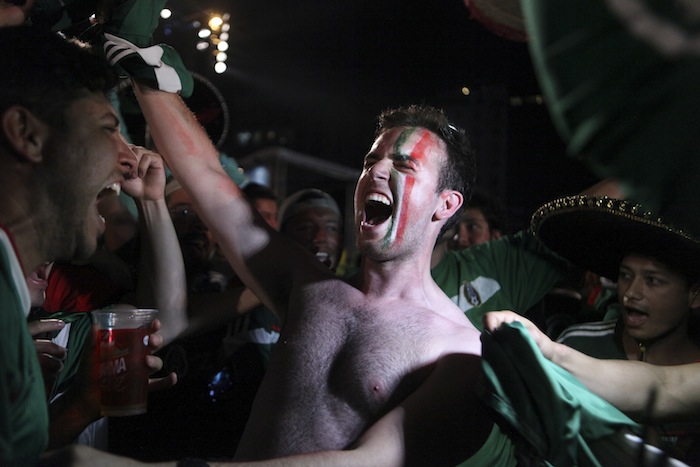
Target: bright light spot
{"type": "Point", "coordinates": [216, 22]}
{"type": "Point", "coordinates": [225, 27]}
{"type": "Point", "coordinates": [165, 13]}
{"type": "Point", "coordinates": [220, 67]}
{"type": "Point", "coordinates": [223, 36]}
{"type": "Point", "coordinates": [204, 33]}
{"type": "Point", "coordinates": [221, 57]}
{"type": "Point", "coordinates": [93, 17]}
{"type": "Point", "coordinates": [202, 45]}
{"type": "Point", "coordinates": [466, 91]}
{"type": "Point", "coordinates": [222, 46]}
{"type": "Point", "coordinates": [226, 16]}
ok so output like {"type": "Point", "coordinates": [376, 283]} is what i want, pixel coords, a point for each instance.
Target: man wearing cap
{"type": "Point", "coordinates": [657, 269]}
{"type": "Point", "coordinates": [312, 218]}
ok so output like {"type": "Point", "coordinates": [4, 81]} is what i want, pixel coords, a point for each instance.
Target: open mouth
{"type": "Point", "coordinates": [113, 189]}
{"type": "Point", "coordinates": [635, 317]}
{"type": "Point", "coordinates": [377, 209]}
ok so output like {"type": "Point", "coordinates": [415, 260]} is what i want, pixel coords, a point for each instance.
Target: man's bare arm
{"type": "Point", "coordinates": [238, 228]}
{"type": "Point", "coordinates": [627, 385]}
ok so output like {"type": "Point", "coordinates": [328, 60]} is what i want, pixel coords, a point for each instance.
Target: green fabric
{"type": "Point", "coordinates": [135, 20]}
{"type": "Point", "coordinates": [630, 112]}
{"type": "Point", "coordinates": [552, 415]}
{"type": "Point", "coordinates": [24, 419]}
{"type": "Point", "coordinates": [497, 451]}
{"type": "Point", "coordinates": [80, 333]}
{"type": "Point", "coordinates": [511, 273]}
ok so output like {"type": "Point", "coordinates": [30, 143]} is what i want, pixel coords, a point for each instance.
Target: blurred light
{"type": "Point", "coordinates": [220, 67]}
{"type": "Point", "coordinates": [202, 45]}
{"type": "Point", "coordinates": [226, 17]}
{"type": "Point", "coordinates": [466, 91]}
{"type": "Point", "coordinates": [165, 13]}
{"type": "Point", "coordinates": [216, 22]}
{"type": "Point", "coordinates": [225, 27]}
{"type": "Point", "coordinates": [222, 46]}
{"type": "Point", "coordinates": [221, 57]}
{"type": "Point", "coordinates": [204, 33]}
{"type": "Point", "coordinates": [196, 24]}
{"type": "Point", "coordinates": [539, 100]}
{"type": "Point", "coordinates": [223, 36]}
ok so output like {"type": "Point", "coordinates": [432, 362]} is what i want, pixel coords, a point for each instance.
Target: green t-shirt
{"type": "Point", "coordinates": [551, 415]}
{"type": "Point", "coordinates": [24, 418]}
{"type": "Point", "coordinates": [511, 273]}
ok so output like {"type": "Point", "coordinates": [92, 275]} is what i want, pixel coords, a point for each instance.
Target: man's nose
{"type": "Point", "coordinates": [633, 290]}
{"type": "Point", "coordinates": [381, 170]}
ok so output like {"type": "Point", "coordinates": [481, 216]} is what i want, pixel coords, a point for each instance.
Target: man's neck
{"type": "Point", "coordinates": [396, 279]}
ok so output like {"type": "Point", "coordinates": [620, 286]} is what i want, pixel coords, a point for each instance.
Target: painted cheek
{"type": "Point", "coordinates": [403, 217]}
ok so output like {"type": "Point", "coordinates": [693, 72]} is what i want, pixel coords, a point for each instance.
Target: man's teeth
{"type": "Point", "coordinates": [115, 187]}
{"type": "Point", "coordinates": [378, 198]}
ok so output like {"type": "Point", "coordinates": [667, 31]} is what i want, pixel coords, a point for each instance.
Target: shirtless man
{"type": "Point", "coordinates": [383, 367]}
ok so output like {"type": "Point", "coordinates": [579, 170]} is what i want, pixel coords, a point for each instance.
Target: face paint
{"type": "Point", "coordinates": [402, 185]}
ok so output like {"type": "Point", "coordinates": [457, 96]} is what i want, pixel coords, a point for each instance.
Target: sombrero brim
{"type": "Point", "coordinates": [596, 233]}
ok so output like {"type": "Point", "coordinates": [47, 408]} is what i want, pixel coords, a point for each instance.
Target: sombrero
{"type": "Point", "coordinates": [595, 233]}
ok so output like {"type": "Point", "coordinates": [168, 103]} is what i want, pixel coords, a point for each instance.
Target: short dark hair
{"type": "Point", "coordinates": [459, 173]}
{"type": "Point", "coordinates": [45, 72]}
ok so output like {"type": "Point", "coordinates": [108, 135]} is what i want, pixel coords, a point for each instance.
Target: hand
{"type": "Point", "coordinates": [86, 386]}
{"type": "Point", "coordinates": [493, 320]}
{"type": "Point", "coordinates": [51, 355]}
{"type": "Point", "coordinates": [155, 363]}
{"type": "Point", "coordinates": [149, 185]}
{"type": "Point", "coordinates": [14, 14]}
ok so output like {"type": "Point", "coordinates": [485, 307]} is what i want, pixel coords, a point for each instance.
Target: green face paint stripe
{"type": "Point", "coordinates": [402, 139]}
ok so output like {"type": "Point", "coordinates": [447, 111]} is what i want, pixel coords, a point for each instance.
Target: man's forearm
{"type": "Point", "coordinates": [162, 279]}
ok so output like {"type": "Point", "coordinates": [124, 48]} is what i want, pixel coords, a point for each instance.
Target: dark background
{"type": "Point", "coordinates": [311, 76]}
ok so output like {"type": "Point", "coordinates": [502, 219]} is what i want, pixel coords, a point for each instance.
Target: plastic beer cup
{"type": "Point", "coordinates": [122, 345]}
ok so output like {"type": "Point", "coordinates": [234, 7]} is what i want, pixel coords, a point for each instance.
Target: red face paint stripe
{"type": "Point", "coordinates": [419, 150]}
{"type": "Point", "coordinates": [403, 219]}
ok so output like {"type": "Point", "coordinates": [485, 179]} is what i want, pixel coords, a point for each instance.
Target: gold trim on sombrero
{"type": "Point", "coordinates": [618, 207]}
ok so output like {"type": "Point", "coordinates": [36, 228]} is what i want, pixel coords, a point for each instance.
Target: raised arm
{"type": "Point", "coordinates": [261, 257]}
{"type": "Point", "coordinates": [162, 282]}
{"type": "Point", "coordinates": [628, 385]}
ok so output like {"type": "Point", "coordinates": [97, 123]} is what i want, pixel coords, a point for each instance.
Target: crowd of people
{"type": "Point", "coordinates": [263, 352]}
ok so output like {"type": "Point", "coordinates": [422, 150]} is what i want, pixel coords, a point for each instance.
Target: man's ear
{"type": "Point", "coordinates": [25, 133]}
{"type": "Point", "coordinates": [450, 202]}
